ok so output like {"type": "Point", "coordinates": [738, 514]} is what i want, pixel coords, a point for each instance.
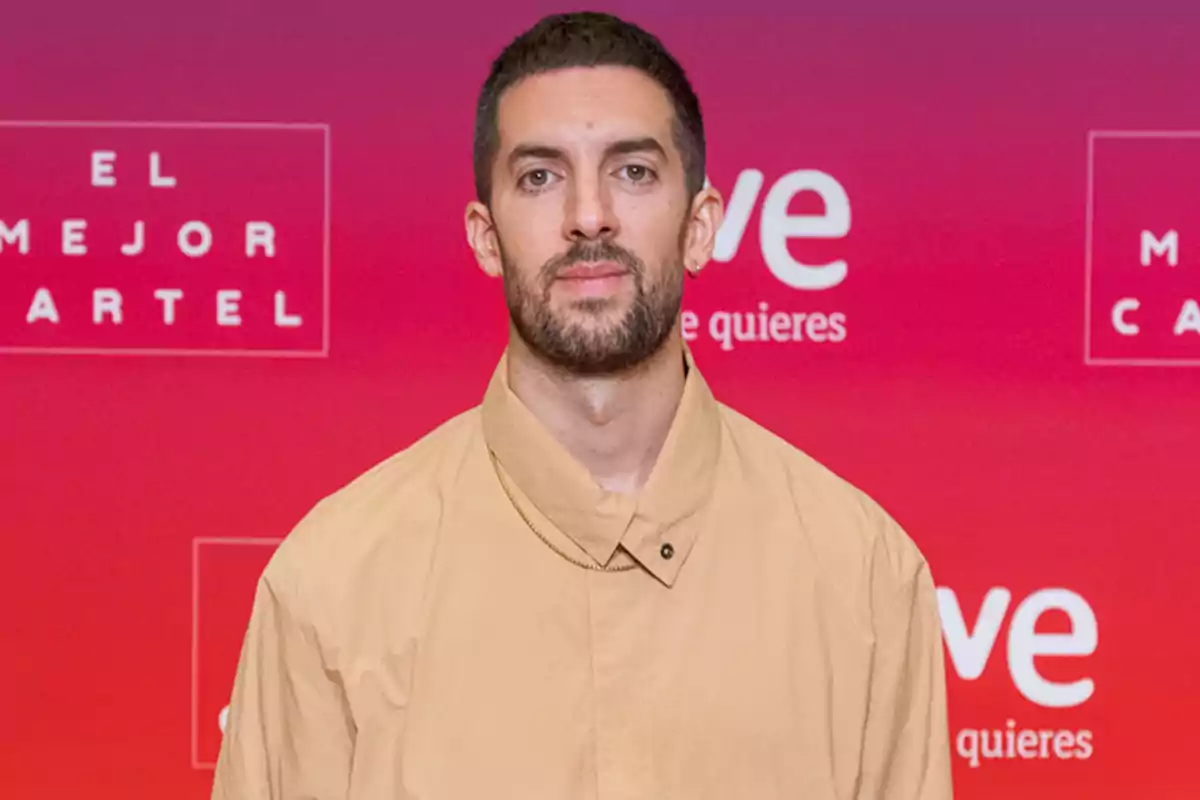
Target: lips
{"type": "Point", "coordinates": [590, 272]}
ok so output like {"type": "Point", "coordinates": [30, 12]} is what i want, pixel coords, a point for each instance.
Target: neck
{"type": "Point", "coordinates": [615, 425]}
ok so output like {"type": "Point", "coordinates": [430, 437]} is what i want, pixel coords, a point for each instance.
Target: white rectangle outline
{"type": "Point", "coordinates": [1088, 359]}
{"type": "Point", "coordinates": [168, 351]}
{"type": "Point", "coordinates": [195, 713]}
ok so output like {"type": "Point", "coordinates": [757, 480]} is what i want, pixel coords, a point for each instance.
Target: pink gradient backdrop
{"type": "Point", "coordinates": [960, 397]}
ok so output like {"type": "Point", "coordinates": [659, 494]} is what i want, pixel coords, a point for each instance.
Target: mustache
{"type": "Point", "coordinates": [587, 252]}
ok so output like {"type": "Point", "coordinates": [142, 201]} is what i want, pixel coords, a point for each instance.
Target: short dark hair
{"type": "Point", "coordinates": [587, 39]}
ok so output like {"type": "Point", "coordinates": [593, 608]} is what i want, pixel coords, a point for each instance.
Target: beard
{"type": "Point", "coordinates": [601, 347]}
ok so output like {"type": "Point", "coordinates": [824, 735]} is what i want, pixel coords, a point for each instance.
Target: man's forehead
{"type": "Point", "coordinates": [596, 103]}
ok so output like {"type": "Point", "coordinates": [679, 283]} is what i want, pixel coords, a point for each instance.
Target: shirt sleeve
{"type": "Point", "coordinates": [288, 734]}
{"type": "Point", "coordinates": [907, 747]}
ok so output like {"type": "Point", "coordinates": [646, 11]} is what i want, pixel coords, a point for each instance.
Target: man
{"type": "Point", "coordinates": [601, 583]}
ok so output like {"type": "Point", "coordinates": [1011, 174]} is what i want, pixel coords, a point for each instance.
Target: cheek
{"type": "Point", "coordinates": [656, 207]}
{"type": "Point", "coordinates": [655, 237]}
{"type": "Point", "coordinates": [530, 235]}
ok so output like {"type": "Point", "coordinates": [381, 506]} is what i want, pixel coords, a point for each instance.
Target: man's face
{"type": "Point", "coordinates": [590, 223]}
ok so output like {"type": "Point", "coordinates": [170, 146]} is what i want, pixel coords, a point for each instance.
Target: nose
{"type": "Point", "coordinates": [589, 214]}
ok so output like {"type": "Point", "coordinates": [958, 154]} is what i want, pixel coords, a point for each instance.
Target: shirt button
{"type": "Point", "coordinates": [667, 551]}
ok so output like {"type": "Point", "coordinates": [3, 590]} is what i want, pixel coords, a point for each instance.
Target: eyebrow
{"type": "Point", "coordinates": [645, 144]}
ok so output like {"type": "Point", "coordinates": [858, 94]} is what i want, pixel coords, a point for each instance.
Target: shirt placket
{"type": "Point", "coordinates": [621, 655]}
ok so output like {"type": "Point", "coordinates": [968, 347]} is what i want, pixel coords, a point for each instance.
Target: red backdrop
{"type": "Point", "coordinates": [1006, 360]}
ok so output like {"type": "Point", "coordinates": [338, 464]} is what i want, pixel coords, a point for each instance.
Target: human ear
{"type": "Point", "coordinates": [481, 235]}
{"type": "Point", "coordinates": [704, 220]}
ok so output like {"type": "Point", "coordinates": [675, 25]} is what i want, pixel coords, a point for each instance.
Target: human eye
{"type": "Point", "coordinates": [638, 173]}
{"type": "Point", "coordinates": [535, 180]}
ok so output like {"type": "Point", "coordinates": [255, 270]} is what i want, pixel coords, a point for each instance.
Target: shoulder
{"type": "Point", "coordinates": [855, 540]}
{"type": "Point", "coordinates": [390, 513]}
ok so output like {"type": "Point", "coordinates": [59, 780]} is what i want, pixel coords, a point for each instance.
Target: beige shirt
{"type": "Point", "coordinates": [775, 635]}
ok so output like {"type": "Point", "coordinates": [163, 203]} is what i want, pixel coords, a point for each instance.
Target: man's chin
{"type": "Point", "coordinates": [608, 308]}
{"type": "Point", "coordinates": [593, 362]}
{"type": "Point", "coordinates": [595, 353]}
{"type": "Point", "coordinates": [588, 322]}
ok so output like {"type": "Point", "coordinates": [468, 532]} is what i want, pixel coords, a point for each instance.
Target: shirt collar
{"type": "Point", "coordinates": [655, 526]}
